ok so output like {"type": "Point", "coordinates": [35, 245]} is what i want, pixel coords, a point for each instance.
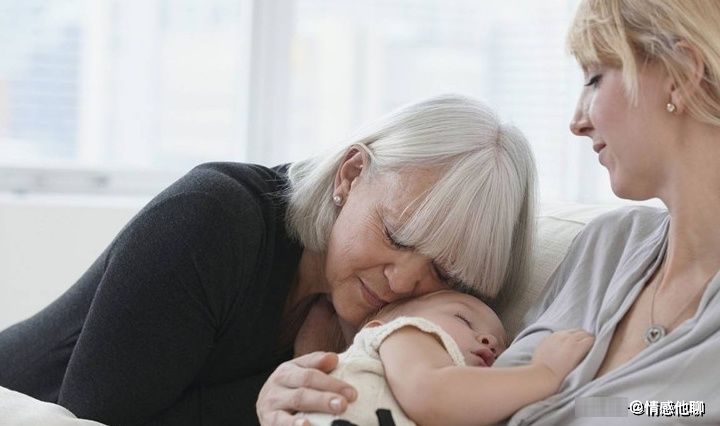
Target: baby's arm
{"type": "Point", "coordinates": [431, 390]}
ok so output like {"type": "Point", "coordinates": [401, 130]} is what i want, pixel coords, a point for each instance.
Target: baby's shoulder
{"type": "Point", "coordinates": [371, 338]}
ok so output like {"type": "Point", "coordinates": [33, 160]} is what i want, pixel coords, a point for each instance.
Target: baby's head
{"type": "Point", "coordinates": [471, 323]}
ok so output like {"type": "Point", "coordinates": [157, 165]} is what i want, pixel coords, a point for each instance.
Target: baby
{"type": "Point", "coordinates": [417, 362]}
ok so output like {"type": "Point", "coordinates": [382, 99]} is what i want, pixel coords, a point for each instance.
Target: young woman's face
{"type": "Point", "coordinates": [472, 324]}
{"type": "Point", "coordinates": [629, 139]}
{"type": "Point", "coordinates": [364, 268]}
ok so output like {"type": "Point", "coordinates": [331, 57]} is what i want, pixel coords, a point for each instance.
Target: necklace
{"type": "Point", "coordinates": [655, 331]}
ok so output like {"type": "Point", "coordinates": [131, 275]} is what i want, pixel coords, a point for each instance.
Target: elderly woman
{"type": "Point", "coordinates": [236, 268]}
{"type": "Point", "coordinates": [644, 281]}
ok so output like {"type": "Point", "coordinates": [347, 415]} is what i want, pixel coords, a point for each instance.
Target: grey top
{"type": "Point", "coordinates": [604, 271]}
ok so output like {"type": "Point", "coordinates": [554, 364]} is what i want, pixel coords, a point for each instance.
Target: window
{"type": "Point", "coordinates": [353, 61]}
{"type": "Point", "coordinates": [123, 96]}
{"type": "Point", "coordinates": [103, 90]}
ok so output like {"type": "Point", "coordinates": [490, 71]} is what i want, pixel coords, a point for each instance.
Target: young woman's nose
{"type": "Point", "coordinates": [411, 274]}
{"type": "Point", "coordinates": [489, 340]}
{"type": "Point", "coordinates": [580, 124]}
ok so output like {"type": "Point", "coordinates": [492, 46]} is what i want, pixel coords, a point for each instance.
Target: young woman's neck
{"type": "Point", "coordinates": [693, 200]}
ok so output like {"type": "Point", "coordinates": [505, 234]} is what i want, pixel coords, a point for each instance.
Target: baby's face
{"type": "Point", "coordinates": [472, 324]}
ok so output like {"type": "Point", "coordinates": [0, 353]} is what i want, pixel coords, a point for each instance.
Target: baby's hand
{"type": "Point", "coordinates": [562, 351]}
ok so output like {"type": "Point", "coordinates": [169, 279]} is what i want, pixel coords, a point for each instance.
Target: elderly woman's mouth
{"type": "Point", "coordinates": [370, 297]}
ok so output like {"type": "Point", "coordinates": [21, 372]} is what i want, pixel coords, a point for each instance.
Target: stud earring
{"type": "Point", "coordinates": [338, 200]}
{"type": "Point", "coordinates": [670, 107]}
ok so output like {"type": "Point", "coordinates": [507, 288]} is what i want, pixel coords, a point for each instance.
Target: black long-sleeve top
{"type": "Point", "coordinates": [177, 321]}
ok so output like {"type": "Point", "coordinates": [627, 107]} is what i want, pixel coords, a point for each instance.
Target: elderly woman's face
{"type": "Point", "coordinates": [365, 269]}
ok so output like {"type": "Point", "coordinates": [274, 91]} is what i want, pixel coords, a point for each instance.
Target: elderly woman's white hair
{"type": "Point", "coordinates": [476, 221]}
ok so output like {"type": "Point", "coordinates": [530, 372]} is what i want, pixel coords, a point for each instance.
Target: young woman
{"type": "Point", "coordinates": [644, 281]}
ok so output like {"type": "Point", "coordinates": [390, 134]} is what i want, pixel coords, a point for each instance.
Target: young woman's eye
{"type": "Point", "coordinates": [594, 80]}
{"type": "Point", "coordinates": [393, 242]}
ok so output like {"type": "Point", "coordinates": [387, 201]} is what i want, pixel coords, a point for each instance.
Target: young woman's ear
{"type": "Point", "coordinates": [355, 161]}
{"type": "Point", "coordinates": [681, 91]}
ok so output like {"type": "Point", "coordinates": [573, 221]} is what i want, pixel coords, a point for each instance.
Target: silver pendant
{"type": "Point", "coordinates": [654, 333]}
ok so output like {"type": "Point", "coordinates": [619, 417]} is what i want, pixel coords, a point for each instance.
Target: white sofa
{"type": "Point", "coordinates": [17, 409]}
{"type": "Point", "coordinates": [557, 225]}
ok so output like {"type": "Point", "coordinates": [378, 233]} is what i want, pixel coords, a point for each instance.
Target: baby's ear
{"type": "Point", "coordinates": [373, 323]}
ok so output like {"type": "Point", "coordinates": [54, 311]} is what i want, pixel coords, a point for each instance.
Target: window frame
{"type": "Point", "coordinates": [271, 31]}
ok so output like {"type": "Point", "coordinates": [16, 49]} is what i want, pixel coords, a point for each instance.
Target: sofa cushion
{"type": "Point", "coordinates": [17, 409]}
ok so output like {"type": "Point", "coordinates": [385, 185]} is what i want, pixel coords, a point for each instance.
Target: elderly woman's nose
{"type": "Point", "coordinates": [409, 275]}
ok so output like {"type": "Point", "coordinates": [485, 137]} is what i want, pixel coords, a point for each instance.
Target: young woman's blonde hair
{"type": "Point", "coordinates": [632, 33]}
{"type": "Point", "coordinates": [477, 220]}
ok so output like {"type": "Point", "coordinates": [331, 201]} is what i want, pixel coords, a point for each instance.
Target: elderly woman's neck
{"type": "Point", "coordinates": [309, 279]}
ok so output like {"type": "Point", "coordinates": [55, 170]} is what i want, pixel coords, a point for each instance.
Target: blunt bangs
{"type": "Point", "coordinates": [469, 233]}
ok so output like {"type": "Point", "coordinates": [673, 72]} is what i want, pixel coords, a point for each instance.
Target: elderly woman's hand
{"type": "Point", "coordinates": [303, 384]}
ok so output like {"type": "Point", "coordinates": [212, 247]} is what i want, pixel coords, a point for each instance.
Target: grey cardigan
{"type": "Point", "coordinates": [604, 271]}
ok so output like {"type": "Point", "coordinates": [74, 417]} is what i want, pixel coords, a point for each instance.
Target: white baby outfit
{"type": "Point", "coordinates": [360, 366]}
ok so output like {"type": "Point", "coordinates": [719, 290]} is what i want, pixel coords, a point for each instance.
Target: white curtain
{"type": "Point", "coordinates": [164, 84]}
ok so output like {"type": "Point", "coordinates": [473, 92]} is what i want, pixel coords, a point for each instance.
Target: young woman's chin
{"type": "Point", "coordinates": [627, 189]}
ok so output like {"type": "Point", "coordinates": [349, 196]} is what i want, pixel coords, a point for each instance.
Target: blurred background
{"type": "Point", "coordinates": [105, 102]}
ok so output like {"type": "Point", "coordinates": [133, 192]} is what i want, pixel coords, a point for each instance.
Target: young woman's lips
{"type": "Point", "coordinates": [371, 298]}
{"type": "Point", "coordinates": [598, 147]}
